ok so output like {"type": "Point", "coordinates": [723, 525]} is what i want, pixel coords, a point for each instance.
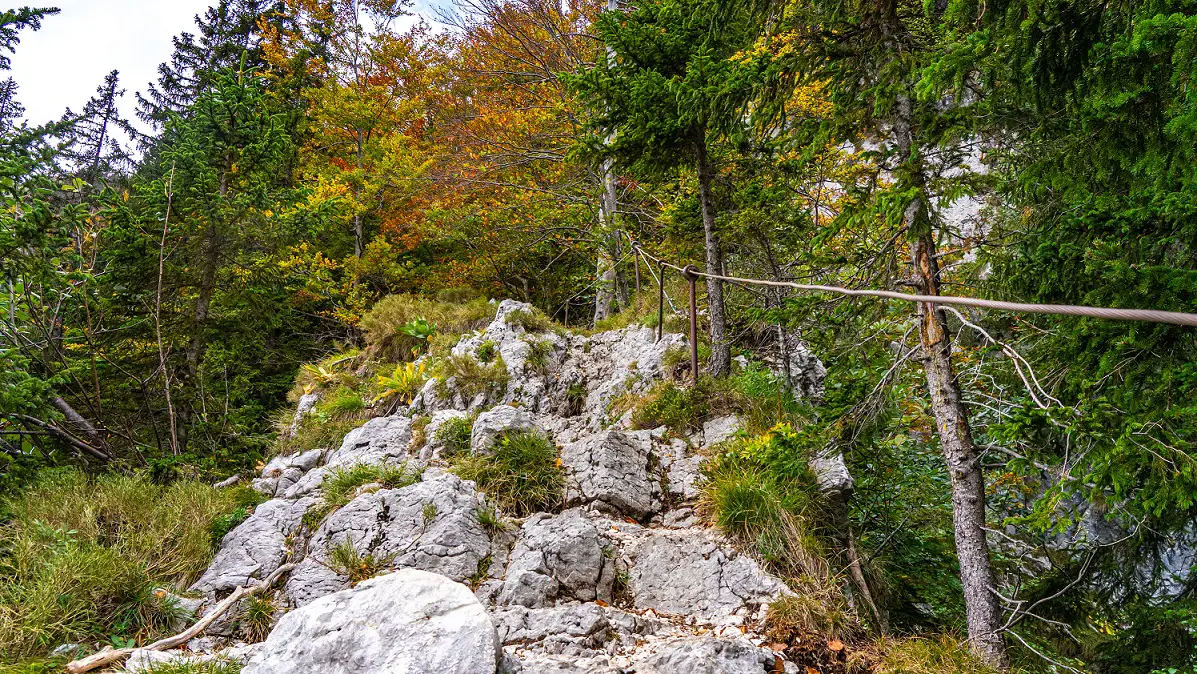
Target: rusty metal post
{"type": "Point", "coordinates": [661, 302]}
{"type": "Point", "coordinates": [690, 274]}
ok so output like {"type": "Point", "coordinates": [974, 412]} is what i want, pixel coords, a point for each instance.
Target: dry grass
{"type": "Point", "coordinates": [385, 341]}
{"type": "Point", "coordinates": [79, 558]}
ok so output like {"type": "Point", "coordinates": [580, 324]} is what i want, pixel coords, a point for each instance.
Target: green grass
{"type": "Point", "coordinates": [486, 351]}
{"type": "Point", "coordinates": [522, 475]}
{"type": "Point", "coordinates": [473, 377]}
{"type": "Point", "coordinates": [942, 654]}
{"type": "Point", "coordinates": [343, 403]}
{"type": "Point", "coordinates": [383, 324]}
{"type": "Point", "coordinates": [454, 435]}
{"type": "Point", "coordinates": [195, 668]}
{"type": "Point", "coordinates": [539, 351]}
{"type": "Point", "coordinates": [531, 321]}
{"type": "Point", "coordinates": [257, 619]}
{"type": "Point", "coordinates": [345, 559]}
{"type": "Point", "coordinates": [80, 557]}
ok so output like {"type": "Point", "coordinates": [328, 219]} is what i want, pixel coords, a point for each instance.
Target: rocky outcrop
{"type": "Point", "coordinates": [610, 472]}
{"type": "Point", "coordinates": [625, 580]}
{"type": "Point", "coordinates": [690, 572]}
{"type": "Point", "coordinates": [408, 621]}
{"type": "Point", "coordinates": [255, 548]}
{"type": "Point", "coordinates": [431, 525]}
{"type": "Point", "coordinates": [557, 558]}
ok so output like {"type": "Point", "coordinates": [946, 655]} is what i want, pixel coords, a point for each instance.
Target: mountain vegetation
{"type": "Point", "coordinates": [320, 192]}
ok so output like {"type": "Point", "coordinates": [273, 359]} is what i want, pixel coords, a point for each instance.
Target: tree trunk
{"type": "Point", "coordinates": [606, 292]}
{"type": "Point", "coordinates": [720, 364]}
{"type": "Point", "coordinates": [983, 612]}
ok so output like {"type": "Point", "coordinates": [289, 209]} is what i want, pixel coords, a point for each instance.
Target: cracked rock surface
{"type": "Point", "coordinates": [621, 577]}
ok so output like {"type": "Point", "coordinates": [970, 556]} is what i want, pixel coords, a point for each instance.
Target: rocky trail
{"type": "Point", "coordinates": [624, 579]}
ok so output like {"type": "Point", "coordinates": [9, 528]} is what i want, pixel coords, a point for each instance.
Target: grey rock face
{"type": "Point", "coordinates": [540, 663]}
{"type": "Point", "coordinates": [578, 629]}
{"type": "Point", "coordinates": [375, 442]}
{"type": "Point", "coordinates": [610, 471]}
{"type": "Point", "coordinates": [831, 474]}
{"type": "Point", "coordinates": [708, 656]}
{"type": "Point", "coordinates": [431, 525]}
{"type": "Point", "coordinates": [555, 558]}
{"type": "Point", "coordinates": [502, 419]}
{"type": "Point", "coordinates": [687, 572]}
{"type": "Point", "coordinates": [409, 621]}
{"type": "Point", "coordinates": [610, 363]}
{"type": "Point", "coordinates": [807, 372]}
{"type": "Point", "coordinates": [255, 548]}
{"type": "Point", "coordinates": [715, 431]}
{"type": "Point", "coordinates": [683, 470]}
{"type": "Point", "coordinates": [282, 472]}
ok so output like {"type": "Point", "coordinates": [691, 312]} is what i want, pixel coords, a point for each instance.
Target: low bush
{"type": "Point", "coordinates": [80, 557]}
{"type": "Point", "coordinates": [522, 476]}
{"type": "Point", "coordinates": [384, 324]}
{"type": "Point", "coordinates": [531, 321]}
{"type": "Point", "coordinates": [454, 434]}
{"type": "Point", "coordinates": [473, 377]}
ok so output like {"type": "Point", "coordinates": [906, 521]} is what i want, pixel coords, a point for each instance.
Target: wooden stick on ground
{"type": "Point", "coordinates": [109, 656]}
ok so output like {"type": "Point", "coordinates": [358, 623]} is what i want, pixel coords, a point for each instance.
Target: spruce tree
{"type": "Point", "coordinates": [94, 148]}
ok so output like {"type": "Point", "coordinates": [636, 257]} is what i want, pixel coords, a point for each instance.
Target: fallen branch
{"type": "Point", "coordinates": [109, 656]}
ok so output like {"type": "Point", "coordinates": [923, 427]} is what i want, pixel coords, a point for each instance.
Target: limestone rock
{"type": "Point", "coordinates": [683, 469]}
{"type": "Point", "coordinates": [307, 403]}
{"type": "Point", "coordinates": [709, 656]}
{"type": "Point", "coordinates": [577, 629]}
{"type": "Point", "coordinates": [555, 558]}
{"type": "Point", "coordinates": [282, 472]}
{"type": "Point", "coordinates": [688, 572]}
{"type": "Point", "coordinates": [375, 442]}
{"type": "Point", "coordinates": [255, 548]}
{"type": "Point", "coordinates": [715, 431]}
{"type": "Point", "coordinates": [807, 372]}
{"type": "Point", "coordinates": [410, 621]}
{"type": "Point", "coordinates": [610, 471]}
{"type": "Point", "coordinates": [431, 525]}
{"type": "Point", "coordinates": [493, 423]}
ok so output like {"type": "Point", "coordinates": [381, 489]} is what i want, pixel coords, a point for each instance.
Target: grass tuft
{"type": "Point", "coordinates": [522, 476]}
{"type": "Point", "coordinates": [345, 559]}
{"type": "Point", "coordinates": [473, 377]}
{"type": "Point", "coordinates": [454, 435]}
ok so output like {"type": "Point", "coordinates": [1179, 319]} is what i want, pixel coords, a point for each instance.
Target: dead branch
{"type": "Point", "coordinates": [110, 656]}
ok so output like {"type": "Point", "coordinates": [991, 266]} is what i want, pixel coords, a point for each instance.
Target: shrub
{"type": "Point", "coordinates": [345, 559]}
{"type": "Point", "coordinates": [680, 408]}
{"type": "Point", "coordinates": [333, 371]}
{"type": "Point", "coordinates": [402, 385]}
{"type": "Point", "coordinates": [486, 351]}
{"type": "Point", "coordinates": [455, 434]}
{"type": "Point", "coordinates": [80, 557]}
{"type": "Point", "coordinates": [522, 476]}
{"type": "Point", "coordinates": [473, 377]}
{"type": "Point", "coordinates": [539, 351]}
{"type": "Point", "coordinates": [383, 325]}
{"type": "Point", "coordinates": [531, 321]}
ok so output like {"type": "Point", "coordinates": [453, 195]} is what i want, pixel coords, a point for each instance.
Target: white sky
{"type": "Point", "coordinates": [61, 65]}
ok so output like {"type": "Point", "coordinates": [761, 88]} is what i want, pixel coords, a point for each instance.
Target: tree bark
{"type": "Point", "coordinates": [983, 612]}
{"type": "Point", "coordinates": [720, 363]}
{"type": "Point", "coordinates": [606, 292]}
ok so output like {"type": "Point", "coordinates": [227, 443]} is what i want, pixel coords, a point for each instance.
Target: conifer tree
{"type": "Point", "coordinates": [226, 31]}
{"type": "Point", "coordinates": [94, 143]}
{"type": "Point", "coordinates": [11, 109]}
{"type": "Point", "coordinates": [659, 92]}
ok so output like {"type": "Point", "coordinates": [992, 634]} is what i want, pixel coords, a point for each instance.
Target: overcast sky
{"type": "Point", "coordinates": [61, 65]}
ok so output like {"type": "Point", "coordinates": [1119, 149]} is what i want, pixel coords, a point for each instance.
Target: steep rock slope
{"type": "Point", "coordinates": [622, 579]}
